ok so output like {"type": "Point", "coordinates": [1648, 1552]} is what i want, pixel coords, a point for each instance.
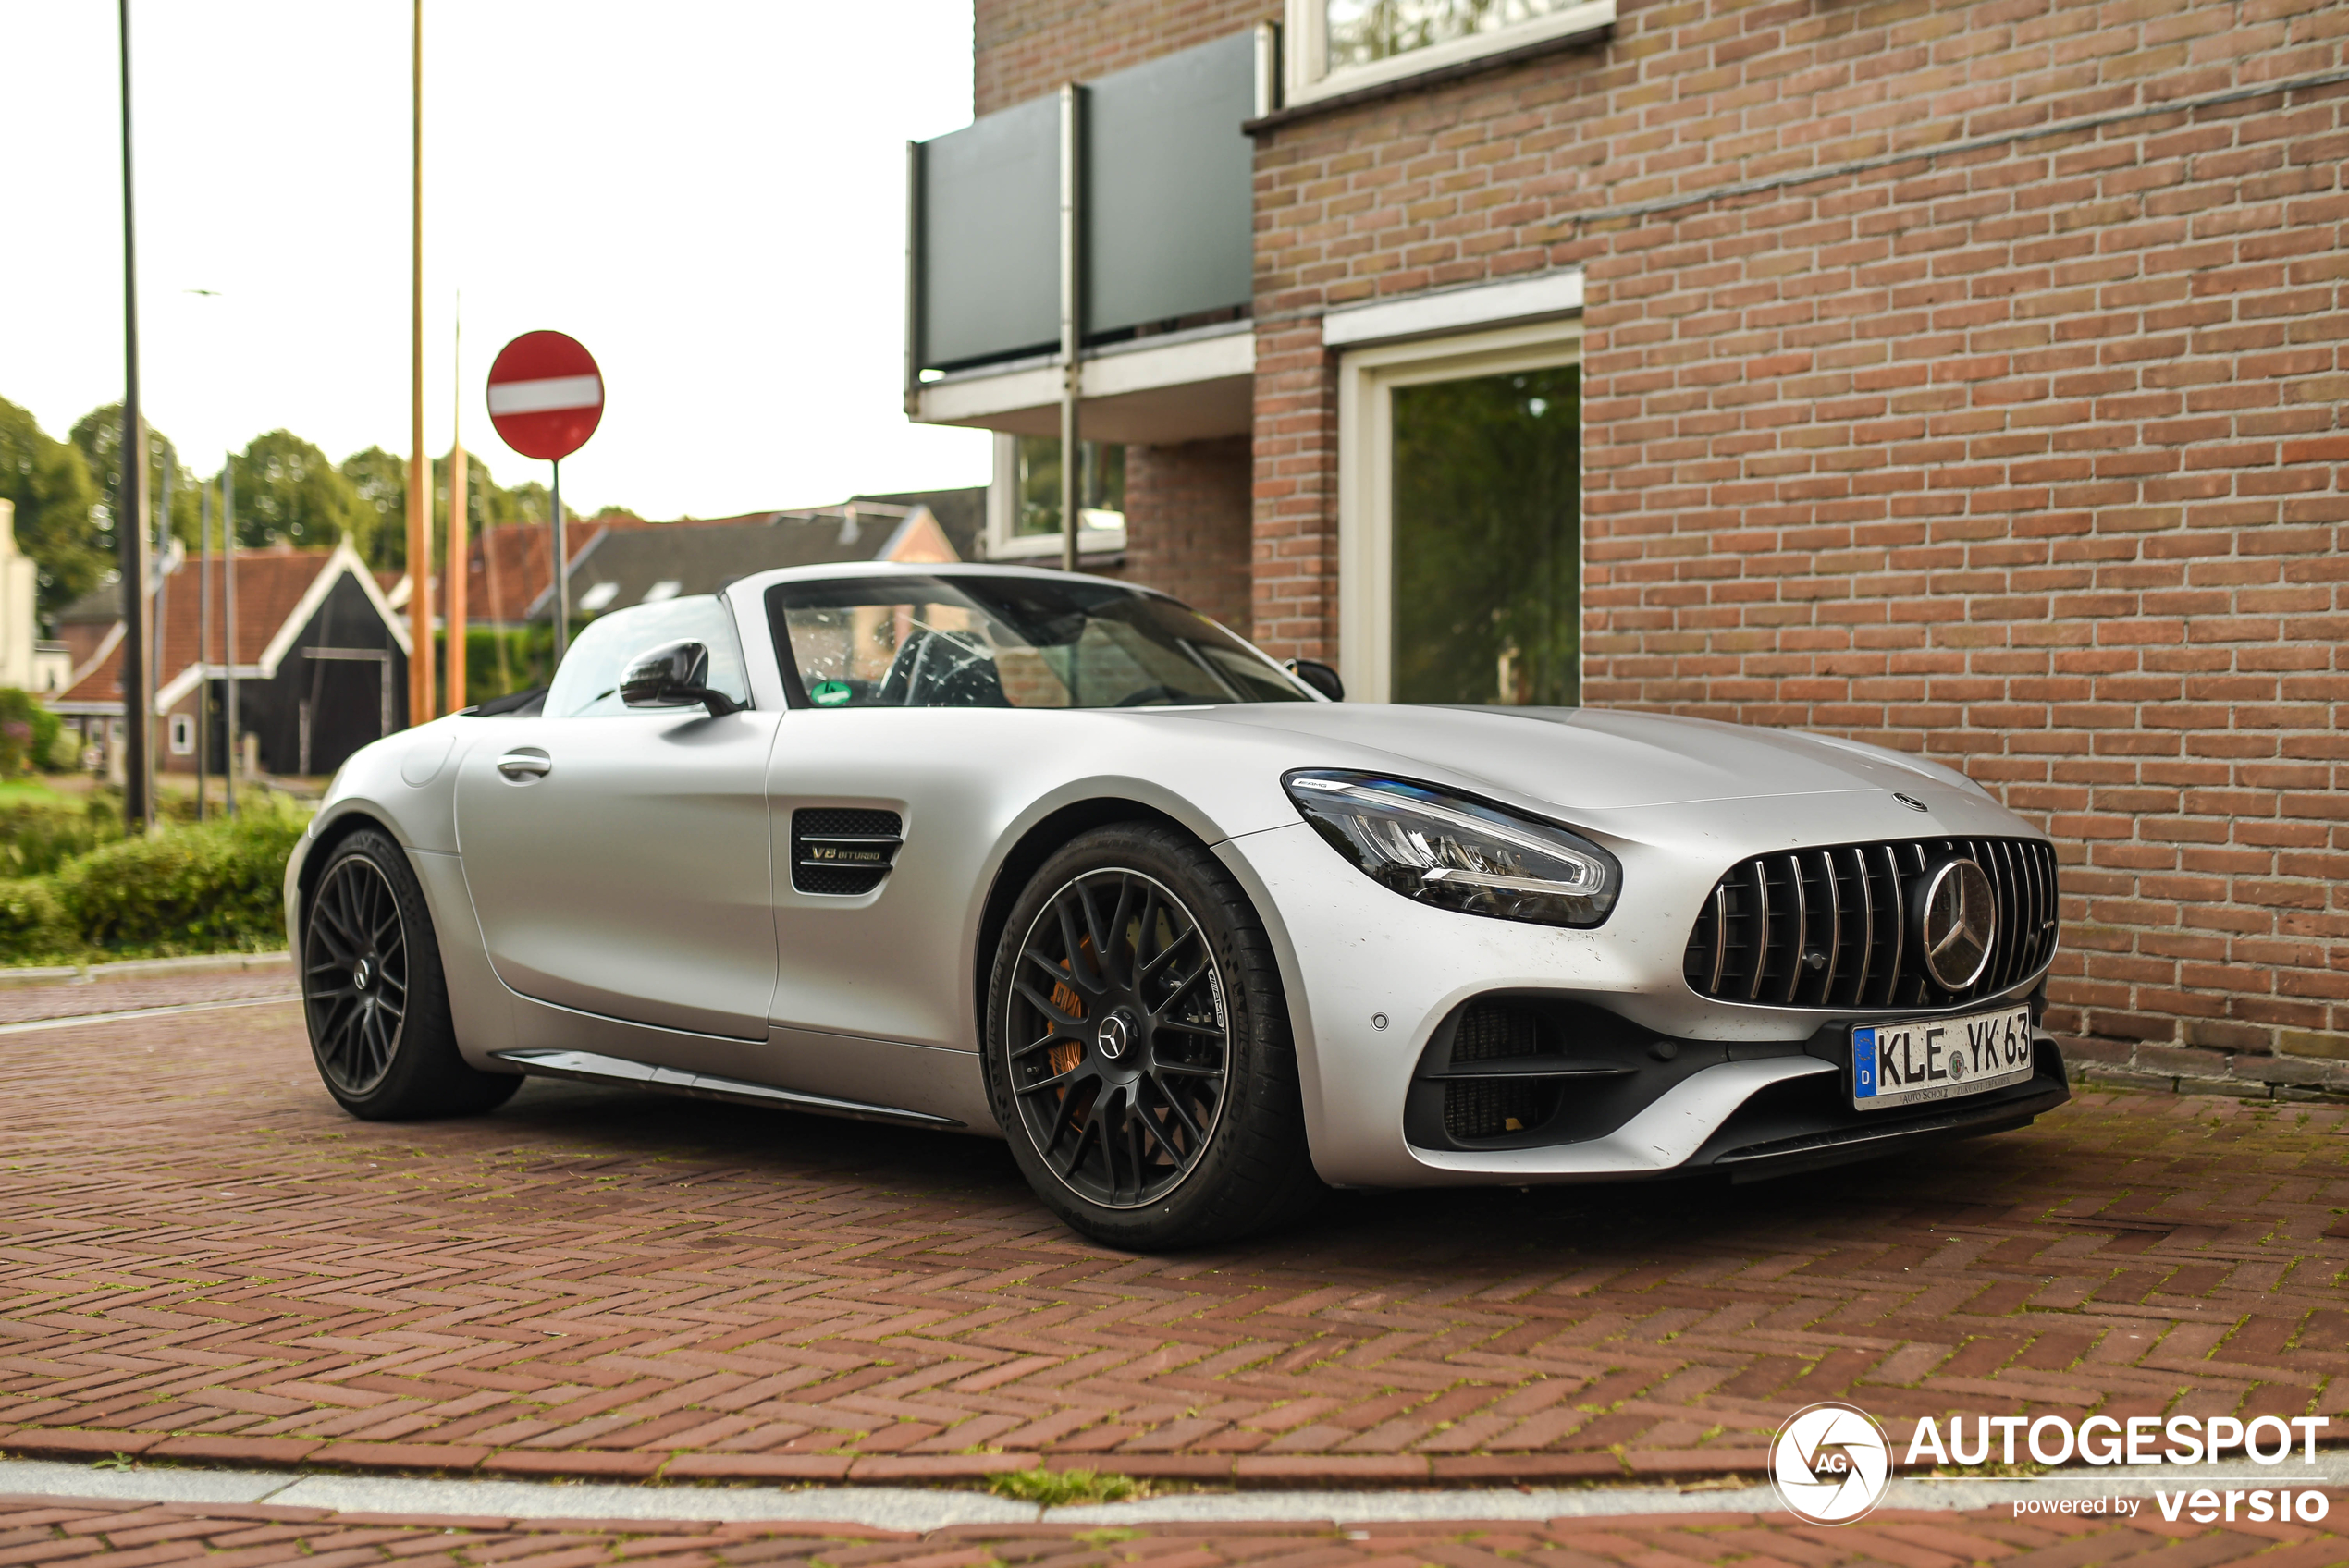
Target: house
{"type": "Point", "coordinates": [1961, 378]}
{"type": "Point", "coordinates": [510, 569]}
{"type": "Point", "coordinates": [321, 662]}
{"type": "Point", "coordinates": [27, 661]}
{"type": "Point", "coordinates": [638, 566]}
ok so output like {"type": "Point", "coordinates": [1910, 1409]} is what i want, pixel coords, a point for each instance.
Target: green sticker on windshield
{"type": "Point", "coordinates": [829, 694]}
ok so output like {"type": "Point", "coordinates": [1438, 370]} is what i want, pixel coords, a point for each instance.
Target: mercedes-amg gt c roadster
{"type": "Point", "coordinates": [1057, 860]}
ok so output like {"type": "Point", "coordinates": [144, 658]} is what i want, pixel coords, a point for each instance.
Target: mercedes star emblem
{"type": "Point", "coordinates": [1960, 918]}
{"type": "Point", "coordinates": [1114, 1037]}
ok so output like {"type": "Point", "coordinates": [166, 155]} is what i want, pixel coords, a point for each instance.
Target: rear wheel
{"type": "Point", "coordinates": [373, 996]}
{"type": "Point", "coordinates": [1138, 1053]}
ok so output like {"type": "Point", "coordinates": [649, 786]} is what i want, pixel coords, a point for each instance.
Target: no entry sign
{"type": "Point", "coordinates": [546, 396]}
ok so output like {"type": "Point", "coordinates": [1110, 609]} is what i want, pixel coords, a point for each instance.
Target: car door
{"type": "Point", "coordinates": [617, 859]}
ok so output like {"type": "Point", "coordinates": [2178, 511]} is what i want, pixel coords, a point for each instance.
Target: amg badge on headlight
{"type": "Point", "coordinates": [1459, 852]}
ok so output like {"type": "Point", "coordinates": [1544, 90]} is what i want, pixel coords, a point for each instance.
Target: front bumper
{"type": "Point", "coordinates": [1689, 1085]}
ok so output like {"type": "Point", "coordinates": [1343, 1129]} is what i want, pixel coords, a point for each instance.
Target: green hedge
{"type": "Point", "coordinates": [214, 887]}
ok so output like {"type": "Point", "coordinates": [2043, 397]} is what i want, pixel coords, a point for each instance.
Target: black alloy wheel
{"type": "Point", "coordinates": [1121, 1046]}
{"type": "Point", "coordinates": [1138, 1052]}
{"type": "Point", "coordinates": [374, 994]}
{"type": "Point", "coordinates": [354, 974]}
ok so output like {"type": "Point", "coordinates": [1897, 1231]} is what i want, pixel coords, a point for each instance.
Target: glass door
{"type": "Point", "coordinates": [1487, 535]}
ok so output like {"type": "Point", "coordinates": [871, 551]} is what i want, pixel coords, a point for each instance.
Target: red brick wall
{"type": "Point", "coordinates": [1186, 524]}
{"type": "Point", "coordinates": [1025, 48]}
{"type": "Point", "coordinates": [2029, 458]}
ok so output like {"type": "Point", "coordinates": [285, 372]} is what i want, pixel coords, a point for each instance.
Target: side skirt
{"type": "Point", "coordinates": [587, 1067]}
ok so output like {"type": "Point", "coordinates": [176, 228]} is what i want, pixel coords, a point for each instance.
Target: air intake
{"type": "Point", "coordinates": [1831, 928]}
{"type": "Point", "coordinates": [843, 852]}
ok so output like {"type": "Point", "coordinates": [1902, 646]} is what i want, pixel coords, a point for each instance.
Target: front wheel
{"type": "Point", "coordinates": [1138, 1047]}
{"type": "Point", "coordinates": [373, 992]}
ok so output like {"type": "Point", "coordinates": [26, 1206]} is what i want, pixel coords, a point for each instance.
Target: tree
{"type": "Point", "coordinates": [380, 482]}
{"type": "Point", "coordinates": [97, 436]}
{"type": "Point", "coordinates": [50, 483]}
{"type": "Point", "coordinates": [288, 493]}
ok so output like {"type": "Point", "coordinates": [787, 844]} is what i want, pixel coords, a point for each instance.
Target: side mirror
{"type": "Point", "coordinates": [1318, 676]}
{"type": "Point", "coordinates": [676, 676]}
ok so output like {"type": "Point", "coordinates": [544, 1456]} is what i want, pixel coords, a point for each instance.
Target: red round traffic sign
{"type": "Point", "coordinates": [545, 394]}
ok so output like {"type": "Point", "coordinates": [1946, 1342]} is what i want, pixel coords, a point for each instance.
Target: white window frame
{"type": "Point", "coordinates": [1366, 384]}
{"type": "Point", "coordinates": [1308, 76]}
{"type": "Point", "coordinates": [183, 734]}
{"type": "Point", "coordinates": [1002, 517]}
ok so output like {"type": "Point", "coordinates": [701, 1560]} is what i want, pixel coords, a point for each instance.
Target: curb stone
{"type": "Point", "coordinates": [137, 968]}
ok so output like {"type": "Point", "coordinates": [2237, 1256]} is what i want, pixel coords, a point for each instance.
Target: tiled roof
{"type": "Point", "coordinates": [508, 568]}
{"type": "Point", "coordinates": [270, 586]}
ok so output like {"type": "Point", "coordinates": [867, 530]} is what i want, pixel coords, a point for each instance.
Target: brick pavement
{"type": "Point", "coordinates": [49, 1531]}
{"type": "Point", "coordinates": [201, 1257]}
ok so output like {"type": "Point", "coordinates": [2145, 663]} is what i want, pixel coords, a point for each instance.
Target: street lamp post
{"type": "Point", "coordinates": [130, 496]}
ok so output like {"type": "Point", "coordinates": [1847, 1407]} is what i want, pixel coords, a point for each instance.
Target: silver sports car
{"type": "Point", "coordinates": [1059, 861]}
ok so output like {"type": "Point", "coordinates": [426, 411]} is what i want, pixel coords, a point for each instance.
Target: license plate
{"type": "Point", "coordinates": [1939, 1059]}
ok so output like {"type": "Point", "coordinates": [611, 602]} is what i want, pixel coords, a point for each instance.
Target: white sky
{"type": "Point", "coordinates": [709, 194]}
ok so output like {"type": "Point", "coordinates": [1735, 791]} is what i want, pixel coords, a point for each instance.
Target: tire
{"type": "Point", "coordinates": [1152, 1100]}
{"type": "Point", "coordinates": [374, 994]}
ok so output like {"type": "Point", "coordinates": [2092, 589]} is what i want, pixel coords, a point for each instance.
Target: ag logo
{"type": "Point", "coordinates": [1830, 1462]}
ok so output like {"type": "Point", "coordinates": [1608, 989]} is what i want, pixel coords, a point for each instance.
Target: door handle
{"type": "Point", "coordinates": [519, 766]}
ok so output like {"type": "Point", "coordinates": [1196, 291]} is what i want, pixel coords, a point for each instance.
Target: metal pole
{"type": "Point", "coordinates": [420, 703]}
{"type": "Point", "coordinates": [162, 571]}
{"type": "Point", "coordinates": [130, 498]}
{"type": "Point", "coordinates": [460, 553]}
{"type": "Point", "coordinates": [562, 571]}
{"type": "Point", "coordinates": [228, 621]}
{"type": "Point", "coordinates": [203, 648]}
{"type": "Point", "coordinates": [1072, 308]}
{"type": "Point", "coordinates": [913, 280]}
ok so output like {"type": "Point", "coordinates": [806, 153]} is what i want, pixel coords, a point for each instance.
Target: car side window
{"type": "Point", "coordinates": [587, 684]}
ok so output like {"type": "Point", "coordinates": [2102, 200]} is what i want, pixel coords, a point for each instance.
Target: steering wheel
{"type": "Point", "coordinates": [1149, 694]}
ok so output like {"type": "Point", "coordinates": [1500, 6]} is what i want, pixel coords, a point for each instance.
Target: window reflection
{"type": "Point", "coordinates": [1100, 485]}
{"type": "Point", "coordinates": [1364, 31]}
{"type": "Point", "coordinates": [1487, 512]}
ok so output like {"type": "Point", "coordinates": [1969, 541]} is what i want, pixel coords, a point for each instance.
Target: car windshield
{"type": "Point", "coordinates": [1009, 641]}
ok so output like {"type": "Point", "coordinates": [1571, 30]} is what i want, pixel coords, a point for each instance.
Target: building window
{"type": "Point", "coordinates": [1340, 45]}
{"type": "Point", "coordinates": [183, 734]}
{"type": "Point", "coordinates": [1487, 539]}
{"type": "Point", "coordinates": [1460, 518]}
{"type": "Point", "coordinates": [1024, 506]}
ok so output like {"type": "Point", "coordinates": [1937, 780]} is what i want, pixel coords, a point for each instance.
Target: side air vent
{"type": "Point", "coordinates": [1831, 928]}
{"type": "Point", "coordinates": [838, 851]}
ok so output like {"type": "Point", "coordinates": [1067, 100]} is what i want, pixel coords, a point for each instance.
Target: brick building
{"type": "Point", "coordinates": [1965, 375]}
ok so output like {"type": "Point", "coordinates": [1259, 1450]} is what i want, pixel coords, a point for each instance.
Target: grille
{"type": "Point", "coordinates": [1830, 928]}
{"type": "Point", "coordinates": [1494, 1107]}
{"type": "Point", "coordinates": [839, 851]}
{"type": "Point", "coordinates": [1489, 1032]}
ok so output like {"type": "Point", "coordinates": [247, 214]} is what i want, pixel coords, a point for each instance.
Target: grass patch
{"type": "Point", "coordinates": [1057, 1488]}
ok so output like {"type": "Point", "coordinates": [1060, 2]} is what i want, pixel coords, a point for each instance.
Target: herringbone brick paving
{"type": "Point", "coordinates": [201, 1256]}
{"type": "Point", "coordinates": [119, 1535]}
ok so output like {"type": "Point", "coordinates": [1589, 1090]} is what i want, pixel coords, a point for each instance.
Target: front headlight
{"type": "Point", "coordinates": [1458, 852]}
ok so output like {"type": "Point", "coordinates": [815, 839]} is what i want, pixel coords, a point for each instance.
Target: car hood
{"type": "Point", "coordinates": [1599, 759]}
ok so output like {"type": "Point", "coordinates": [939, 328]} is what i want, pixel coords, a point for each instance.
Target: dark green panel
{"type": "Point", "coordinates": [990, 253]}
{"type": "Point", "coordinates": [1488, 533]}
{"type": "Point", "coordinates": [1169, 187]}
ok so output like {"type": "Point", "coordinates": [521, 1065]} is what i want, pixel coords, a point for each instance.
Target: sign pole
{"type": "Point", "coordinates": [546, 398]}
{"type": "Point", "coordinates": [562, 569]}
